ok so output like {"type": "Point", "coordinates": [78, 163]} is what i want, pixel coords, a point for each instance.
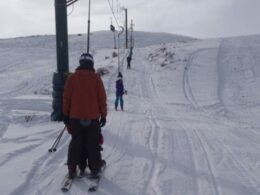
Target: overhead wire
{"type": "Point", "coordinates": [116, 18]}
{"type": "Point", "coordinates": [72, 9]}
{"type": "Point", "coordinates": [113, 13]}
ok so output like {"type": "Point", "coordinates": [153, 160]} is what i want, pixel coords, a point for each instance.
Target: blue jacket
{"type": "Point", "coordinates": [119, 87]}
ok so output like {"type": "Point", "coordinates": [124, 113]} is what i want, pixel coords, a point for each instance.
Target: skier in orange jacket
{"type": "Point", "coordinates": [85, 111]}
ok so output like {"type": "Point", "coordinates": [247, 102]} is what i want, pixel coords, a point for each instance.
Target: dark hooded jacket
{"type": "Point", "coordinates": [119, 86]}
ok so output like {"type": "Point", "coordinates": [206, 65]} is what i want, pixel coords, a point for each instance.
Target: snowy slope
{"type": "Point", "coordinates": [98, 40]}
{"type": "Point", "coordinates": [190, 126]}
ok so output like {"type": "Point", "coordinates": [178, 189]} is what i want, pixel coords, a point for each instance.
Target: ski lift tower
{"type": "Point", "coordinates": [126, 27]}
{"type": "Point", "coordinates": [60, 76]}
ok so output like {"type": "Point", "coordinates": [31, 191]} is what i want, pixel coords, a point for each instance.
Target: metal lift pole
{"type": "Point", "coordinates": [126, 29]}
{"type": "Point", "coordinates": [59, 77]}
{"type": "Point", "coordinates": [61, 36]}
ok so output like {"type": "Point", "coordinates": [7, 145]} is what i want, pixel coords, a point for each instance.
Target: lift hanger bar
{"type": "Point", "coordinates": [70, 2]}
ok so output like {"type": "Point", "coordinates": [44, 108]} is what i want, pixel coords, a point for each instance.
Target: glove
{"type": "Point", "coordinates": [125, 92]}
{"type": "Point", "coordinates": [102, 121]}
{"type": "Point", "coordinates": [66, 120]}
{"type": "Point", "coordinates": [69, 129]}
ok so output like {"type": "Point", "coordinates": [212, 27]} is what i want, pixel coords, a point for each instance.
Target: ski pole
{"type": "Point", "coordinates": [52, 149]}
{"type": "Point", "coordinates": [58, 139]}
{"type": "Point", "coordinates": [56, 142]}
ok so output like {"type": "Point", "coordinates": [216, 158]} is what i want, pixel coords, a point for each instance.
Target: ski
{"type": "Point", "coordinates": [94, 181]}
{"type": "Point", "coordinates": [66, 184]}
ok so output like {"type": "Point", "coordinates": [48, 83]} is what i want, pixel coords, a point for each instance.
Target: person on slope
{"type": "Point", "coordinates": [120, 91]}
{"type": "Point", "coordinates": [128, 59]}
{"type": "Point", "coordinates": [85, 111]}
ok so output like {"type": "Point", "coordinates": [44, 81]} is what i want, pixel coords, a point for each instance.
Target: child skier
{"type": "Point", "coordinates": [120, 91]}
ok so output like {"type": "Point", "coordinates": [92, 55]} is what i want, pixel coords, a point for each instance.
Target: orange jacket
{"type": "Point", "coordinates": [84, 96]}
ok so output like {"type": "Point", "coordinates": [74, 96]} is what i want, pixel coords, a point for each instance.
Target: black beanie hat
{"type": "Point", "coordinates": [86, 59]}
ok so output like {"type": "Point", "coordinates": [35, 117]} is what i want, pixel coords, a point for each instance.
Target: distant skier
{"type": "Point", "coordinates": [129, 59]}
{"type": "Point", "coordinates": [120, 91]}
{"type": "Point", "coordinates": [85, 110]}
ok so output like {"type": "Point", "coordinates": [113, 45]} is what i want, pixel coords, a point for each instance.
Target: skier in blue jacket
{"type": "Point", "coordinates": [120, 90]}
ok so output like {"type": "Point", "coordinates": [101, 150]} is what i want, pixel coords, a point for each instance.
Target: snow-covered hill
{"type": "Point", "coordinates": [190, 126]}
{"type": "Point", "coordinates": [98, 40]}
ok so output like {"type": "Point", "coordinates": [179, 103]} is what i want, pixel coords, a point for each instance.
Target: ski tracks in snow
{"type": "Point", "coordinates": [195, 66]}
{"type": "Point", "coordinates": [139, 150]}
{"type": "Point", "coordinates": [152, 147]}
{"type": "Point", "coordinates": [35, 165]}
{"type": "Point", "coordinates": [210, 160]}
{"type": "Point", "coordinates": [174, 153]}
{"type": "Point", "coordinates": [167, 163]}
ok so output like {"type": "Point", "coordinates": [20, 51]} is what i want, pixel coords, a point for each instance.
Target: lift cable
{"type": "Point", "coordinates": [71, 11]}
{"type": "Point", "coordinates": [111, 7]}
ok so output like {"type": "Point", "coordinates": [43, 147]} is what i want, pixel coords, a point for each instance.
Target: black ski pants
{"type": "Point", "coordinates": [84, 146]}
{"type": "Point", "coordinates": [128, 64]}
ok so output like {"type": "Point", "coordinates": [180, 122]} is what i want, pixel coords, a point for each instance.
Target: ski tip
{"type": "Point", "coordinates": [64, 189]}
{"type": "Point", "coordinates": [92, 189]}
{"type": "Point", "coordinates": [66, 184]}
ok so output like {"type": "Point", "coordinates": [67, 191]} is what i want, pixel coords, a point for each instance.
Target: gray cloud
{"type": "Point", "coordinates": [198, 18]}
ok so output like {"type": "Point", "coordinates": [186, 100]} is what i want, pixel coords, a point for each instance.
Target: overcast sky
{"type": "Point", "coordinates": [197, 18]}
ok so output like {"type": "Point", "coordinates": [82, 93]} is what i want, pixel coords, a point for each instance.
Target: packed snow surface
{"type": "Point", "coordinates": [190, 125]}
